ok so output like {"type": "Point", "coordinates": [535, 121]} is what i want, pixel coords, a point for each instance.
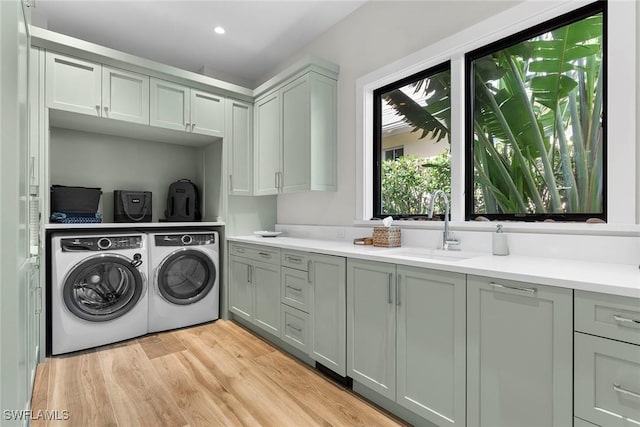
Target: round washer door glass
{"type": "Point", "coordinates": [103, 288]}
{"type": "Point", "coordinates": [186, 276]}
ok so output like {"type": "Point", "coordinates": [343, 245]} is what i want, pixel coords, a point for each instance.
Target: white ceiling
{"type": "Point", "coordinates": [259, 34]}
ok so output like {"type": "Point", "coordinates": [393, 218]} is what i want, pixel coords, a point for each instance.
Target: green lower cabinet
{"type": "Point", "coordinates": [406, 337]}
{"type": "Point", "coordinates": [607, 381]}
{"type": "Point", "coordinates": [519, 354]}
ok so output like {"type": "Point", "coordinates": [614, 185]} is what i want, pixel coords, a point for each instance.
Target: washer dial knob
{"type": "Point", "coordinates": [186, 239]}
{"type": "Point", "coordinates": [104, 243]}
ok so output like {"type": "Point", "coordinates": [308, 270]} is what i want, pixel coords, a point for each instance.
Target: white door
{"type": "Point", "coordinates": [265, 279]}
{"type": "Point", "coordinates": [296, 143]}
{"type": "Point", "coordinates": [267, 149]}
{"type": "Point", "coordinates": [240, 288]}
{"type": "Point", "coordinates": [170, 105]}
{"type": "Point", "coordinates": [239, 137]}
{"type": "Point", "coordinates": [371, 320]}
{"type": "Point", "coordinates": [207, 113]}
{"type": "Point", "coordinates": [125, 95]}
{"type": "Point", "coordinates": [73, 84]}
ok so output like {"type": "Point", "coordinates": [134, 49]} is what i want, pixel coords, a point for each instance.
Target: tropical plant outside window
{"type": "Point", "coordinates": [414, 114]}
{"type": "Point", "coordinates": [535, 120]}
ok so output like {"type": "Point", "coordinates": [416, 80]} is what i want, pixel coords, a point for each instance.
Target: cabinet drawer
{"type": "Point", "coordinates": [295, 288]}
{"type": "Point", "coordinates": [297, 260]}
{"type": "Point", "coordinates": [607, 381]}
{"type": "Point", "coordinates": [258, 253]}
{"type": "Point", "coordinates": [609, 316]}
{"type": "Point", "coordinates": [294, 327]}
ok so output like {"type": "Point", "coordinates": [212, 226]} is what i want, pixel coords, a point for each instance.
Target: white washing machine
{"type": "Point", "coordinates": [185, 287]}
{"type": "Point", "coordinates": [99, 289]}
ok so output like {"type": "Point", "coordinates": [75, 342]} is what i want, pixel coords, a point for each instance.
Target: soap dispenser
{"type": "Point", "coordinates": [500, 246]}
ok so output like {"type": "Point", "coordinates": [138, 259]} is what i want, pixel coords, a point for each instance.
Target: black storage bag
{"type": "Point", "coordinates": [183, 202]}
{"type": "Point", "coordinates": [75, 200]}
{"type": "Point", "coordinates": [131, 206]}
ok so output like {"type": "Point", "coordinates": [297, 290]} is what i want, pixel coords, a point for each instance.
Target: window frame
{"type": "Point", "coordinates": [378, 154]}
{"type": "Point", "coordinates": [523, 35]}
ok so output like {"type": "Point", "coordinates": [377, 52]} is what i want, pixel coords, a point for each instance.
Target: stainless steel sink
{"type": "Point", "coordinates": [430, 254]}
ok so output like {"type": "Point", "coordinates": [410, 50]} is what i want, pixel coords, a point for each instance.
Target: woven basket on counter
{"type": "Point", "coordinates": [388, 237]}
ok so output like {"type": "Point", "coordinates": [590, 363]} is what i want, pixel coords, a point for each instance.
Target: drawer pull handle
{"type": "Point", "coordinates": [619, 389]}
{"type": "Point", "coordinates": [264, 255]}
{"type": "Point", "coordinates": [389, 297]}
{"type": "Point", "coordinates": [309, 266]}
{"type": "Point", "coordinates": [531, 291]}
{"type": "Point", "coordinates": [290, 326]}
{"type": "Point", "coordinates": [239, 250]}
{"type": "Point", "coordinates": [631, 323]}
{"type": "Point", "coordinates": [294, 288]}
{"type": "Point", "coordinates": [295, 259]}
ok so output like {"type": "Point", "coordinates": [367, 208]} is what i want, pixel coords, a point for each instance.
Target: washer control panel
{"type": "Point", "coordinates": [187, 239]}
{"type": "Point", "coordinates": [100, 243]}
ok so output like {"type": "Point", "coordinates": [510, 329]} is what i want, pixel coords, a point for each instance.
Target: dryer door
{"type": "Point", "coordinates": [186, 276]}
{"type": "Point", "coordinates": [103, 287]}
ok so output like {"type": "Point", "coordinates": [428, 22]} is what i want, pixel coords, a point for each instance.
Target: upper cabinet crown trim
{"type": "Point", "coordinates": [308, 63]}
{"type": "Point", "coordinates": [92, 52]}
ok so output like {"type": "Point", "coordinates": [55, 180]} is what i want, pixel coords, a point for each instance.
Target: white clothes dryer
{"type": "Point", "coordinates": [98, 289]}
{"type": "Point", "coordinates": [185, 287]}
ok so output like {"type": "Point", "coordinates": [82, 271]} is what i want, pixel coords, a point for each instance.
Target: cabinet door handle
{"type": "Point", "coordinates": [187, 126]}
{"type": "Point", "coordinates": [294, 288]}
{"type": "Point", "coordinates": [616, 387]}
{"type": "Point", "coordinates": [530, 291]}
{"type": "Point", "coordinates": [630, 323]}
{"type": "Point", "coordinates": [230, 183]}
{"type": "Point", "coordinates": [193, 126]}
{"type": "Point", "coordinates": [98, 109]}
{"type": "Point", "coordinates": [398, 281]}
{"type": "Point", "coordinates": [290, 326]}
{"type": "Point", "coordinates": [309, 266]}
{"type": "Point", "coordinates": [265, 255]}
{"type": "Point", "coordinates": [249, 273]}
{"type": "Point", "coordinates": [276, 180]}
{"type": "Point", "coordinates": [389, 297]}
{"type": "Point", "coordinates": [106, 110]}
{"type": "Point", "coordinates": [294, 259]}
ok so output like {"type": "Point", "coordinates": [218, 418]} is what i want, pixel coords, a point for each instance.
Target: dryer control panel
{"type": "Point", "coordinates": [100, 243]}
{"type": "Point", "coordinates": [185, 239]}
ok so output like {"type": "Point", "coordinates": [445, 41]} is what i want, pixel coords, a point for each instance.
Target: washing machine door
{"type": "Point", "coordinates": [186, 276]}
{"type": "Point", "coordinates": [103, 287]}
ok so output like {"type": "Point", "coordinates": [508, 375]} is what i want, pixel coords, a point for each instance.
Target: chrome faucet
{"type": "Point", "coordinates": [447, 238]}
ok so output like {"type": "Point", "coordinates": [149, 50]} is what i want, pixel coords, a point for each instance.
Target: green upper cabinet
{"type": "Point", "coordinates": [85, 87]}
{"type": "Point", "coordinates": [125, 95]}
{"type": "Point", "coordinates": [73, 84]}
{"type": "Point", "coordinates": [239, 132]}
{"type": "Point", "coordinates": [178, 107]}
{"type": "Point", "coordinates": [295, 134]}
{"type": "Point", "coordinates": [519, 354]}
{"type": "Point", "coordinates": [267, 145]}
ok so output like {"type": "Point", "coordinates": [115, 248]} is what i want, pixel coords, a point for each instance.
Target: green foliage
{"type": "Point", "coordinates": [408, 181]}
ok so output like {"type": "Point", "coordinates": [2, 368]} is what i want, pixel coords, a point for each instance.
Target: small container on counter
{"type": "Point", "coordinates": [499, 242]}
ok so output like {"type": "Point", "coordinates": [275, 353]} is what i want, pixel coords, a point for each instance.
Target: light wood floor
{"type": "Point", "coordinates": [217, 374]}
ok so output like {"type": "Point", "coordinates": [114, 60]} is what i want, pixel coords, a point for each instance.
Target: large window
{"type": "Point", "coordinates": [536, 106]}
{"type": "Point", "coordinates": [411, 142]}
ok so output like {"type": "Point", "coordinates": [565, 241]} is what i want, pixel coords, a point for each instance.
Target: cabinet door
{"type": "Point", "coordinates": [266, 282]}
{"type": "Point", "coordinates": [296, 143]}
{"type": "Point", "coordinates": [328, 312]}
{"type": "Point", "coordinates": [170, 105]}
{"type": "Point", "coordinates": [607, 382]}
{"type": "Point", "coordinates": [240, 288]}
{"type": "Point", "coordinates": [431, 344]}
{"type": "Point", "coordinates": [371, 320]}
{"type": "Point", "coordinates": [73, 84]}
{"type": "Point", "coordinates": [207, 113]}
{"type": "Point", "coordinates": [519, 354]}
{"type": "Point", "coordinates": [125, 95]}
{"type": "Point", "coordinates": [267, 149]}
{"type": "Point", "coordinates": [239, 124]}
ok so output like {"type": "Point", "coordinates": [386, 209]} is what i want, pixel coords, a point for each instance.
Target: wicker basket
{"type": "Point", "coordinates": [388, 237]}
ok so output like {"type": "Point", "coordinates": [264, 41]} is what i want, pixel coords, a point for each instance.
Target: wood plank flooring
{"type": "Point", "coordinates": [218, 374]}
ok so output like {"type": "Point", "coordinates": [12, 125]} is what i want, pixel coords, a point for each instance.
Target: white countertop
{"type": "Point", "coordinates": [615, 279]}
{"type": "Point", "coordinates": [59, 226]}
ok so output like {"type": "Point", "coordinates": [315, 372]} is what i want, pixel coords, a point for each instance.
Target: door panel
{"type": "Point", "coordinates": [239, 131]}
{"type": "Point", "coordinates": [371, 320]}
{"type": "Point", "coordinates": [267, 149]}
{"type": "Point", "coordinates": [207, 113]}
{"type": "Point", "coordinates": [240, 288]}
{"type": "Point", "coordinates": [169, 105]}
{"type": "Point", "coordinates": [125, 95]}
{"type": "Point", "coordinates": [266, 281]}
{"type": "Point", "coordinates": [296, 142]}
{"type": "Point", "coordinates": [73, 84]}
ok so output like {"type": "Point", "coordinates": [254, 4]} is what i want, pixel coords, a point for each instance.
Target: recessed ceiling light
{"type": "Point", "coordinates": [219, 30]}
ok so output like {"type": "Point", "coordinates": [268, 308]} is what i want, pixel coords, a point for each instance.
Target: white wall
{"type": "Point", "coordinates": [374, 35]}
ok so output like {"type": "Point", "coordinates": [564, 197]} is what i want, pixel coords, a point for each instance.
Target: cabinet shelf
{"type": "Point", "coordinates": [113, 225]}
